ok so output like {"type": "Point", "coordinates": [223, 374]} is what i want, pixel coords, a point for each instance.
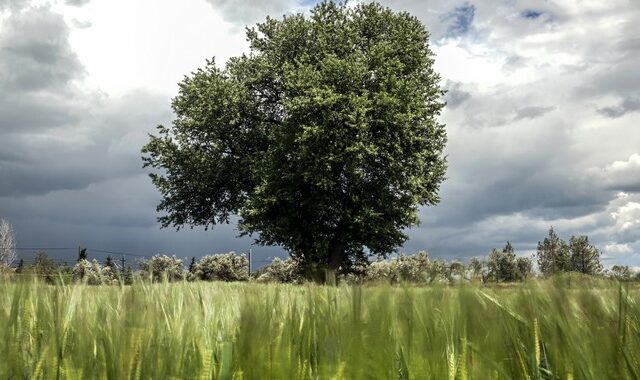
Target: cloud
{"type": "Point", "coordinates": [77, 3]}
{"type": "Point", "coordinates": [620, 175]}
{"type": "Point", "coordinates": [455, 95]}
{"type": "Point", "coordinates": [12, 4]}
{"type": "Point", "coordinates": [248, 13]}
{"type": "Point", "coordinates": [460, 19]}
{"type": "Point", "coordinates": [626, 106]}
{"type": "Point", "coordinates": [532, 112]}
{"type": "Point", "coordinates": [104, 145]}
{"type": "Point", "coordinates": [81, 24]}
{"type": "Point", "coordinates": [36, 55]}
{"type": "Point", "coordinates": [54, 132]}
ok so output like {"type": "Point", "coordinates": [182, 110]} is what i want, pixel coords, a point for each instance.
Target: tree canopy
{"type": "Point", "coordinates": [556, 256]}
{"type": "Point", "coordinates": [322, 139]}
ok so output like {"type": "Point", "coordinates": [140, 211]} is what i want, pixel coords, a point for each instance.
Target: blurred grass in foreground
{"type": "Point", "coordinates": [566, 328]}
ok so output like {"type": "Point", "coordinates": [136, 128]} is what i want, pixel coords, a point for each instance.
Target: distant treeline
{"type": "Point", "coordinates": [553, 256]}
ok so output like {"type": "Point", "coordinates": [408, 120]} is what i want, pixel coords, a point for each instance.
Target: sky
{"type": "Point", "coordinates": [542, 116]}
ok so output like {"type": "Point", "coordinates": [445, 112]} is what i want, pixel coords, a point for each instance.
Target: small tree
{"type": "Point", "coordinates": [20, 267]}
{"type": "Point", "coordinates": [286, 271]}
{"type": "Point", "coordinates": [88, 272]}
{"type": "Point", "coordinates": [82, 254]}
{"type": "Point", "coordinates": [162, 267]}
{"type": "Point", "coordinates": [222, 267]}
{"type": "Point", "coordinates": [476, 268]}
{"type": "Point", "coordinates": [504, 266]}
{"type": "Point", "coordinates": [456, 271]}
{"type": "Point", "coordinates": [553, 255]}
{"type": "Point", "coordinates": [524, 267]}
{"type": "Point", "coordinates": [584, 257]}
{"type": "Point", "coordinates": [108, 263]}
{"type": "Point", "coordinates": [620, 272]}
{"type": "Point", "coordinates": [7, 244]}
{"type": "Point", "coordinates": [192, 265]}
{"type": "Point", "coordinates": [44, 267]}
{"type": "Point", "coordinates": [127, 276]}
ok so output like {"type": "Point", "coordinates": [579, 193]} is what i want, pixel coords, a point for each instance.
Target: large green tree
{"type": "Point", "coordinates": [323, 139]}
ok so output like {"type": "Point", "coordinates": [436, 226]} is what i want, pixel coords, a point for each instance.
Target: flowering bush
{"type": "Point", "coordinates": [162, 268]}
{"type": "Point", "coordinates": [287, 271]}
{"type": "Point", "coordinates": [92, 273]}
{"type": "Point", "coordinates": [221, 267]}
{"type": "Point", "coordinates": [417, 269]}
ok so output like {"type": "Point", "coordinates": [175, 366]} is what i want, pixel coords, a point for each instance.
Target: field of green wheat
{"type": "Point", "coordinates": [555, 329]}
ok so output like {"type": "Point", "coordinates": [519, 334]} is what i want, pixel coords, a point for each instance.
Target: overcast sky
{"type": "Point", "coordinates": [543, 119]}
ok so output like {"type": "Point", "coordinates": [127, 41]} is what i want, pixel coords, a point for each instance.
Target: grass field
{"type": "Point", "coordinates": [557, 329]}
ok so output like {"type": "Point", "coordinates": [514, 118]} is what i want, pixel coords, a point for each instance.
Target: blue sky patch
{"type": "Point", "coordinates": [308, 3]}
{"type": "Point", "coordinates": [531, 14]}
{"type": "Point", "coordinates": [461, 19]}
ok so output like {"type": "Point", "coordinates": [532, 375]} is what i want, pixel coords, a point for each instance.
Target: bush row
{"type": "Point", "coordinates": [499, 266]}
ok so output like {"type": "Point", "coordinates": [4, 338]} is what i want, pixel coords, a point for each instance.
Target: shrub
{"type": "Point", "coordinates": [286, 271]}
{"type": "Point", "coordinates": [417, 269]}
{"type": "Point", "coordinates": [162, 268]}
{"type": "Point", "coordinates": [221, 267]}
{"type": "Point", "coordinates": [92, 273]}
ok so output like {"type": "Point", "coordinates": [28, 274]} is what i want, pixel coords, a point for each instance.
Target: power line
{"type": "Point", "coordinates": [117, 253]}
{"type": "Point", "coordinates": [43, 249]}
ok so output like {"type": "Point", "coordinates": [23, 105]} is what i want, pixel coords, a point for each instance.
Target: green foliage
{"type": "Point", "coordinates": [565, 328]}
{"type": "Point", "coordinates": [505, 266]}
{"type": "Point", "coordinates": [553, 255]}
{"type": "Point", "coordinates": [20, 267]}
{"type": "Point", "coordinates": [221, 267]}
{"type": "Point", "coordinates": [82, 254]}
{"type": "Point", "coordinates": [284, 271]}
{"type": "Point", "coordinates": [556, 256]}
{"type": "Point", "coordinates": [323, 139]}
{"type": "Point", "coordinates": [127, 276]}
{"type": "Point", "coordinates": [476, 268]}
{"type": "Point", "coordinates": [621, 272]}
{"type": "Point", "coordinates": [584, 258]}
{"type": "Point", "coordinates": [44, 267]}
{"type": "Point", "coordinates": [92, 273]}
{"type": "Point", "coordinates": [417, 269]}
{"type": "Point", "coordinates": [162, 268]}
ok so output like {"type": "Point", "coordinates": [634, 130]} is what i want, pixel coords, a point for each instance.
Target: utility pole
{"type": "Point", "coordinates": [122, 260]}
{"type": "Point", "coordinates": [249, 261]}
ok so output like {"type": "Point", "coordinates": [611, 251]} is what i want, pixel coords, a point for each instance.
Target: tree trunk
{"type": "Point", "coordinates": [337, 250]}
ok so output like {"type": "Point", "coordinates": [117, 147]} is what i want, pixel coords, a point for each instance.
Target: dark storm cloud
{"type": "Point", "coordinates": [54, 135]}
{"type": "Point", "coordinates": [36, 54]}
{"type": "Point", "coordinates": [103, 146]}
{"type": "Point", "coordinates": [37, 68]}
